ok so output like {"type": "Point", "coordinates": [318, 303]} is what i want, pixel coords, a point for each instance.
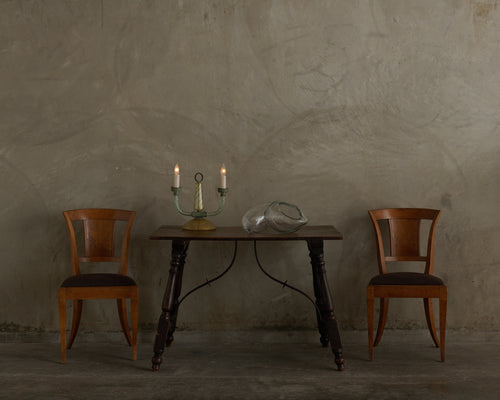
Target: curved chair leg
{"type": "Point", "coordinates": [382, 318]}
{"type": "Point", "coordinates": [442, 320]}
{"type": "Point", "coordinates": [77, 314]}
{"type": "Point", "coordinates": [62, 323]}
{"type": "Point", "coordinates": [429, 315]}
{"type": "Point", "coordinates": [122, 313]}
{"type": "Point", "coordinates": [370, 306]}
{"type": "Point", "coordinates": [134, 304]}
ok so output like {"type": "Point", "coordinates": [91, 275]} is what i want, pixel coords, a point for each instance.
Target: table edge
{"type": "Point", "coordinates": [250, 236]}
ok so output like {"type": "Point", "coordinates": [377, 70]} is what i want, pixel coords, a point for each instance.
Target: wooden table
{"type": "Point", "coordinates": [313, 235]}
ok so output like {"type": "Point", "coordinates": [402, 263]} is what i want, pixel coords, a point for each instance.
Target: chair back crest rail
{"type": "Point", "coordinates": [99, 227]}
{"type": "Point", "coordinates": [404, 235]}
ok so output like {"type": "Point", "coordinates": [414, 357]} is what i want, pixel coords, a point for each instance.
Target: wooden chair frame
{"type": "Point", "coordinates": [404, 236]}
{"type": "Point", "coordinates": [99, 239]}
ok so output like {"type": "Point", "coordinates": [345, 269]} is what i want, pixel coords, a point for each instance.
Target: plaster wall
{"type": "Point", "coordinates": [336, 106]}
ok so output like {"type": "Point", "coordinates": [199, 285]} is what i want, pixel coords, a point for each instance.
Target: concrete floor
{"type": "Point", "coordinates": [253, 365]}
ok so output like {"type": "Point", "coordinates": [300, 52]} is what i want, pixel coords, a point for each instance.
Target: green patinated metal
{"type": "Point", "coordinates": [199, 211]}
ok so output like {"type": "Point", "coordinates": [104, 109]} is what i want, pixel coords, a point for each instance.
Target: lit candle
{"type": "Point", "coordinates": [223, 177]}
{"type": "Point", "coordinates": [177, 177]}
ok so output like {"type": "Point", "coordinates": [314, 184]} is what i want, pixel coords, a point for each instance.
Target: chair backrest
{"type": "Point", "coordinates": [99, 236]}
{"type": "Point", "coordinates": [404, 235]}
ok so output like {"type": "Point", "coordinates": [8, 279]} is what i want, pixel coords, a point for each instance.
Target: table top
{"type": "Point", "coordinates": [172, 232]}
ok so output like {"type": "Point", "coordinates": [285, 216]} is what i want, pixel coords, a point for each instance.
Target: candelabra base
{"type": "Point", "coordinates": [199, 224]}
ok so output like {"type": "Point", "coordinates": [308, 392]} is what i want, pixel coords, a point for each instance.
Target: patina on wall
{"type": "Point", "coordinates": [336, 106]}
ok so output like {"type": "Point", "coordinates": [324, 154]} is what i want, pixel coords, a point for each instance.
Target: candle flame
{"type": "Point", "coordinates": [176, 169]}
{"type": "Point", "coordinates": [223, 170]}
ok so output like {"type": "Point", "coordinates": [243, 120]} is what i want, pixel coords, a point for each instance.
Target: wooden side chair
{"type": "Point", "coordinates": [99, 226]}
{"type": "Point", "coordinates": [404, 226]}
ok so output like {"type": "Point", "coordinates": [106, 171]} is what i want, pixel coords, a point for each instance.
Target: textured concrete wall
{"type": "Point", "coordinates": [336, 106]}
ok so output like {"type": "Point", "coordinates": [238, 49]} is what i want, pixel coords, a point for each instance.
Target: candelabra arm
{"type": "Point", "coordinates": [176, 191]}
{"type": "Point", "coordinates": [223, 192]}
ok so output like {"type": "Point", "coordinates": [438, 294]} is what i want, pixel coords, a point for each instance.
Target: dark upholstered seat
{"type": "Point", "coordinates": [405, 278]}
{"type": "Point", "coordinates": [95, 280]}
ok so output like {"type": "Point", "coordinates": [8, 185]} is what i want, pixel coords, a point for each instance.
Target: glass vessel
{"type": "Point", "coordinates": [254, 219]}
{"type": "Point", "coordinates": [277, 216]}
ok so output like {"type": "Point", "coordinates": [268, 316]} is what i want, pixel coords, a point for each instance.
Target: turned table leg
{"type": "Point", "coordinates": [320, 311]}
{"type": "Point", "coordinates": [170, 304]}
{"type": "Point", "coordinates": [327, 323]}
